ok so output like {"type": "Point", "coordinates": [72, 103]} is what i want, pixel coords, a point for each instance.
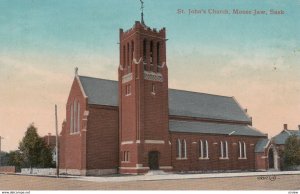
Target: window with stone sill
{"type": "Point", "coordinates": [203, 149]}
{"type": "Point", "coordinates": [224, 150]}
{"type": "Point", "coordinates": [75, 117]}
{"type": "Point", "coordinates": [242, 150]}
{"type": "Point", "coordinates": [181, 152]}
{"type": "Point", "coordinates": [126, 156]}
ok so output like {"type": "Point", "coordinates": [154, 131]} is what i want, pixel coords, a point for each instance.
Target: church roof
{"type": "Point", "coordinates": [100, 91]}
{"type": "Point", "coordinates": [213, 128]}
{"type": "Point", "coordinates": [283, 135]}
{"type": "Point", "coordinates": [194, 104]}
{"type": "Point", "coordinates": [181, 103]}
{"type": "Point", "coordinates": [261, 145]}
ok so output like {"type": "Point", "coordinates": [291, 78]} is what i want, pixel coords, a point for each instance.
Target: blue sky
{"type": "Point", "coordinates": [92, 25]}
{"type": "Point", "coordinates": [254, 58]}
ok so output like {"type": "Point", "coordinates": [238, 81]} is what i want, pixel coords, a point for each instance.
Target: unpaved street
{"type": "Point", "coordinates": [282, 182]}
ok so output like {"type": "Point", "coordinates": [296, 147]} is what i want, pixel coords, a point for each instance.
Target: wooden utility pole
{"type": "Point", "coordinates": [57, 144]}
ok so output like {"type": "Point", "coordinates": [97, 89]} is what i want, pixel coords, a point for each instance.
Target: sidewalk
{"type": "Point", "coordinates": [180, 176]}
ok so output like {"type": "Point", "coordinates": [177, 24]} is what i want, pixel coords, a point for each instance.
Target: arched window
{"type": "Point", "coordinates": [206, 149]}
{"type": "Point", "coordinates": [242, 149]}
{"type": "Point", "coordinates": [132, 50]}
{"type": "Point", "coordinates": [74, 116]}
{"type": "Point", "coordinates": [128, 64]}
{"type": "Point", "coordinates": [178, 146]}
{"type": "Point", "coordinates": [131, 56]}
{"type": "Point", "coordinates": [245, 153]}
{"type": "Point", "coordinates": [71, 119]}
{"type": "Point", "coordinates": [184, 154]}
{"type": "Point", "coordinates": [203, 149]}
{"type": "Point", "coordinates": [224, 149]}
{"type": "Point", "coordinates": [78, 117]}
{"type": "Point", "coordinates": [151, 52]}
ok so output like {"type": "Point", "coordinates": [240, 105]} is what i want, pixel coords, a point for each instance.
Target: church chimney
{"type": "Point", "coordinates": [285, 126]}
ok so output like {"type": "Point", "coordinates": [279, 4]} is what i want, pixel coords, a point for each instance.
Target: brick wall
{"type": "Point", "coordinates": [102, 138]}
{"type": "Point", "coordinates": [72, 146]}
{"type": "Point", "coordinates": [261, 161]}
{"type": "Point", "coordinates": [193, 163]}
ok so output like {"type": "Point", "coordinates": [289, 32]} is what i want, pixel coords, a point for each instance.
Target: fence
{"type": "Point", "coordinates": [7, 169]}
{"type": "Point", "coordinates": [39, 171]}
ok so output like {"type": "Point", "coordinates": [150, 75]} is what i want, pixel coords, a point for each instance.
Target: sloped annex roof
{"type": "Point", "coordinates": [261, 145]}
{"type": "Point", "coordinates": [195, 104]}
{"type": "Point", "coordinates": [181, 103]}
{"type": "Point", "coordinates": [213, 128]}
{"type": "Point", "coordinates": [283, 135]}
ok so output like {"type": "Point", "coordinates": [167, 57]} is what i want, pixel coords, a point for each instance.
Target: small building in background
{"type": "Point", "coordinates": [279, 140]}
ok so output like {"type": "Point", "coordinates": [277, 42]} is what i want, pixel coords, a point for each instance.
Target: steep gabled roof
{"type": "Point", "coordinates": [100, 91]}
{"type": "Point", "coordinates": [283, 135]}
{"type": "Point", "coordinates": [213, 128]}
{"type": "Point", "coordinates": [181, 103]}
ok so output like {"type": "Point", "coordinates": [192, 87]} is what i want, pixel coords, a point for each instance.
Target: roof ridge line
{"type": "Point", "coordinates": [201, 93]}
{"type": "Point", "coordinates": [97, 78]}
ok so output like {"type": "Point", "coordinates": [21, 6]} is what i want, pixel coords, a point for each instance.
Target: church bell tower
{"type": "Point", "coordinates": [143, 100]}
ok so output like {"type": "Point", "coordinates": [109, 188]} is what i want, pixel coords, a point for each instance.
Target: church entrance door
{"type": "Point", "coordinates": [153, 160]}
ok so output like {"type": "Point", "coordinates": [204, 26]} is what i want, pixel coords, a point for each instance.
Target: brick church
{"type": "Point", "coordinates": [138, 123]}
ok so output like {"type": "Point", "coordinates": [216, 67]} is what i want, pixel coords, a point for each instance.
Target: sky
{"type": "Point", "coordinates": [254, 58]}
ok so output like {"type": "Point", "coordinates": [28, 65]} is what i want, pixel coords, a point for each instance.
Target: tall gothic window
{"type": "Point", "coordinates": [203, 149]}
{"type": "Point", "coordinates": [78, 117]}
{"type": "Point", "coordinates": [178, 150]}
{"type": "Point", "coordinates": [181, 152]}
{"type": "Point", "coordinates": [242, 149]}
{"type": "Point", "coordinates": [71, 119]}
{"type": "Point", "coordinates": [132, 50]}
{"type": "Point", "coordinates": [151, 52]}
{"type": "Point", "coordinates": [131, 57]}
{"type": "Point", "coordinates": [75, 117]}
{"type": "Point", "coordinates": [128, 64]}
{"type": "Point", "coordinates": [224, 149]}
{"type": "Point", "coordinates": [184, 154]}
